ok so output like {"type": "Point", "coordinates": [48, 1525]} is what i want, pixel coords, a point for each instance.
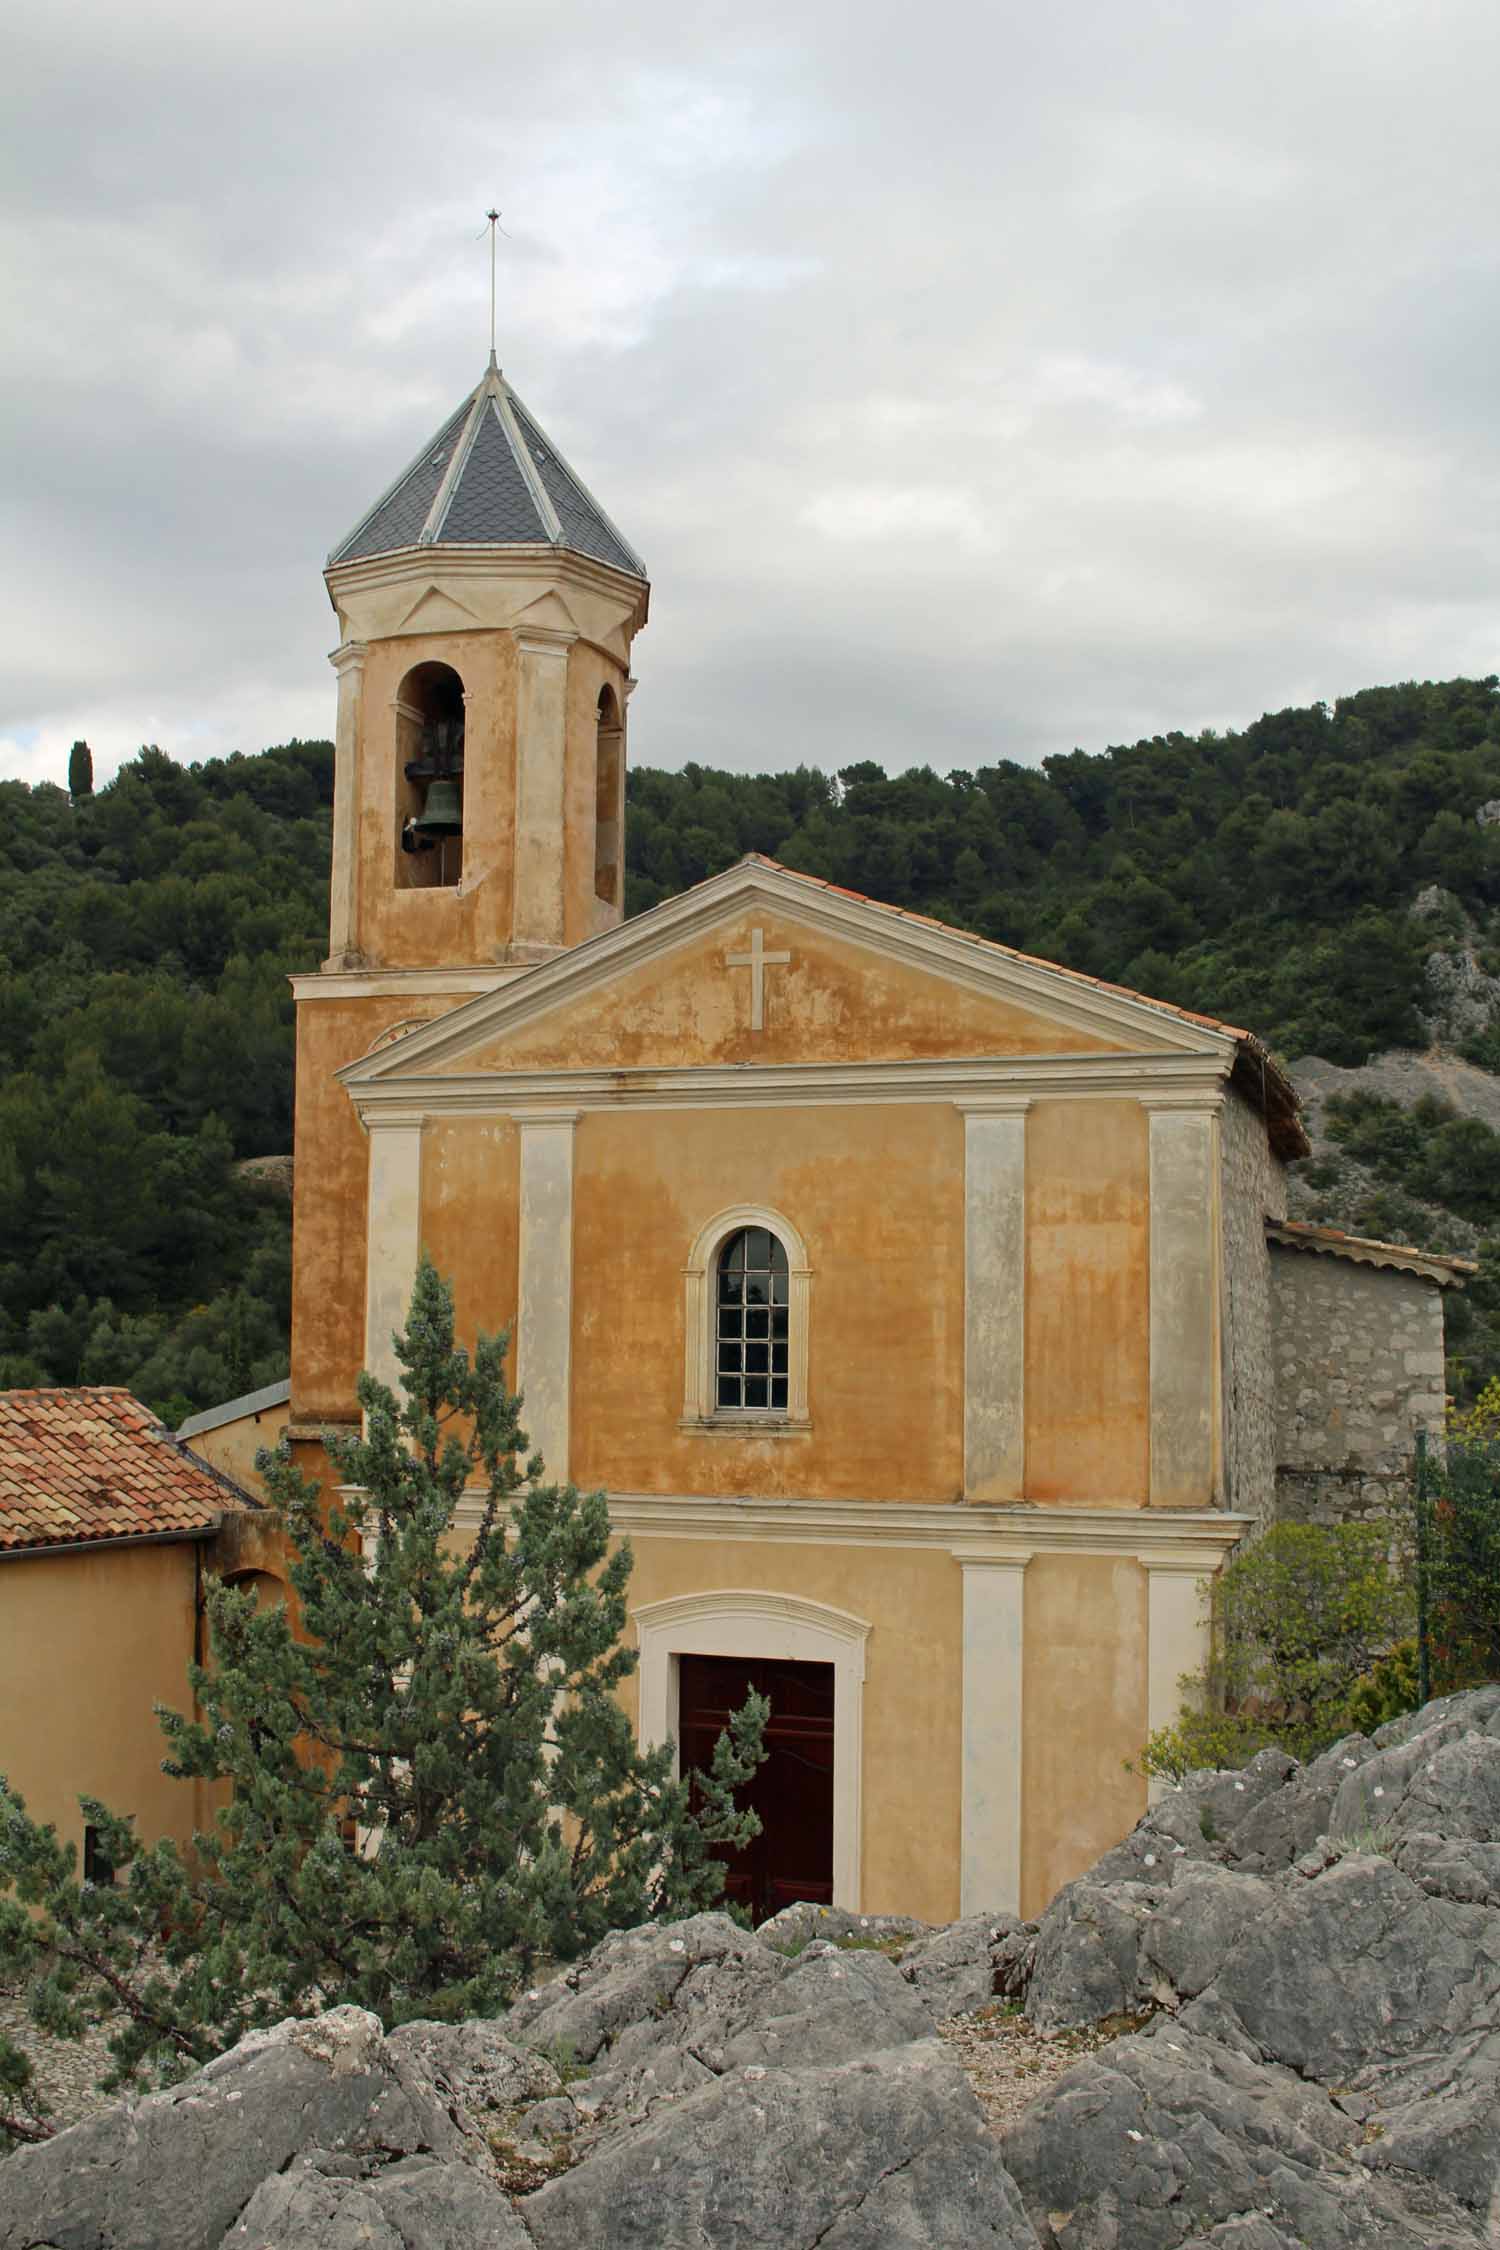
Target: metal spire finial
{"type": "Point", "coordinates": [494, 220]}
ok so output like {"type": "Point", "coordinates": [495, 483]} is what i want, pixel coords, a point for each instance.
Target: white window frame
{"type": "Point", "coordinates": [751, 1622]}
{"type": "Point", "coordinates": [700, 1410]}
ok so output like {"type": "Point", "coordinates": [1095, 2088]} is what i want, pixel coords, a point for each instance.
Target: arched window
{"type": "Point", "coordinates": [751, 1311]}
{"type": "Point", "coordinates": [609, 774]}
{"type": "Point", "coordinates": [429, 779]}
{"type": "Point", "coordinates": [746, 1320]}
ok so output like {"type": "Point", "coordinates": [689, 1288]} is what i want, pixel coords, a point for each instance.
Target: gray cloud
{"type": "Point", "coordinates": [976, 382]}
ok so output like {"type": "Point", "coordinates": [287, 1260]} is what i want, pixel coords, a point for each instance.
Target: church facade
{"type": "Point", "coordinates": [912, 1300]}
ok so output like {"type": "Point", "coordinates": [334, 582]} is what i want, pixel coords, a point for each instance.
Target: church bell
{"type": "Point", "coordinates": [442, 813]}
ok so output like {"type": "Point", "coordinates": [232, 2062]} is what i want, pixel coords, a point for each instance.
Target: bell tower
{"type": "Point", "coordinates": [486, 609]}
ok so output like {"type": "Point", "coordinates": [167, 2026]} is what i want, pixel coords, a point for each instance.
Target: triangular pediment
{"type": "Point", "coordinates": [436, 611]}
{"type": "Point", "coordinates": [842, 981]}
{"type": "Point", "coordinates": [548, 612]}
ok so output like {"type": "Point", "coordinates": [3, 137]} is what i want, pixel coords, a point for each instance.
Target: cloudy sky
{"type": "Point", "coordinates": [976, 380]}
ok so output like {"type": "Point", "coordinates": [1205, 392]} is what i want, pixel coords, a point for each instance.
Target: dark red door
{"type": "Point", "coordinates": [792, 1857]}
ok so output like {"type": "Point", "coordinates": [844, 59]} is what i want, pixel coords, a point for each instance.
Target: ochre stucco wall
{"type": "Point", "coordinates": [402, 928]}
{"type": "Point", "coordinates": [1084, 1714]}
{"type": "Point", "coordinates": [912, 1697]}
{"type": "Point", "coordinates": [328, 1208]}
{"type": "Point", "coordinates": [833, 1002]}
{"type": "Point", "coordinates": [88, 1642]}
{"type": "Point", "coordinates": [396, 927]}
{"type": "Point", "coordinates": [877, 1195]}
{"type": "Point", "coordinates": [1088, 1334]}
{"type": "Point", "coordinates": [470, 1215]}
{"type": "Point", "coordinates": [232, 1447]}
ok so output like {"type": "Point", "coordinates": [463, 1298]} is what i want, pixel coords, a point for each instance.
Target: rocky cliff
{"type": "Point", "coordinates": [1293, 1974]}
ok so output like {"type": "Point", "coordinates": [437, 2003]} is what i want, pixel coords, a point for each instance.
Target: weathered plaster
{"type": "Point", "coordinates": [1087, 1302]}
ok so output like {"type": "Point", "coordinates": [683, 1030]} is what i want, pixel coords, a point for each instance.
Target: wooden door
{"type": "Point", "coordinates": [792, 1857]}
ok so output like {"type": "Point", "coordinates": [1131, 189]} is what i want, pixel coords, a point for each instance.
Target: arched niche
{"type": "Point", "coordinates": [609, 791]}
{"type": "Point", "coordinates": [429, 757]}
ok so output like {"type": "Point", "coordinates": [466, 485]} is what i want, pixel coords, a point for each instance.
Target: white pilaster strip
{"type": "Point", "coordinates": [1177, 1633]}
{"type": "Point", "coordinates": [544, 1323]}
{"type": "Point", "coordinates": [994, 1299]}
{"type": "Point", "coordinates": [1184, 1302]}
{"type": "Point", "coordinates": [994, 1651]}
{"type": "Point", "coordinates": [343, 890]}
{"type": "Point", "coordinates": [541, 744]}
{"type": "Point", "coordinates": [392, 1239]}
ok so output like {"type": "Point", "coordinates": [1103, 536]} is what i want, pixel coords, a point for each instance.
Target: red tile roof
{"type": "Point", "coordinates": [82, 1465]}
{"type": "Point", "coordinates": [1433, 1265]}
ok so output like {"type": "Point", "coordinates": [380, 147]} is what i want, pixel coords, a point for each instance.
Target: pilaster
{"type": "Point", "coordinates": [348, 662]}
{"type": "Point", "coordinates": [993, 1663]}
{"type": "Point", "coordinates": [1185, 1333]}
{"type": "Point", "coordinates": [541, 748]}
{"type": "Point", "coordinates": [994, 1298]}
{"type": "Point", "coordinates": [393, 1236]}
{"type": "Point", "coordinates": [544, 1323]}
{"type": "Point", "coordinates": [1177, 1632]}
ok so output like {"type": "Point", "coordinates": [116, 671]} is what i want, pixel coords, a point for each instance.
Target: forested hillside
{"type": "Point", "coordinates": [1267, 876]}
{"type": "Point", "coordinates": [146, 933]}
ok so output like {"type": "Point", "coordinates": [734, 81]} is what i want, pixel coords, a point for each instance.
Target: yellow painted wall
{"type": "Point", "coordinates": [833, 1002]}
{"type": "Point", "coordinates": [913, 1690]}
{"type": "Point", "coordinates": [404, 928]}
{"type": "Point", "coordinates": [87, 1644]}
{"type": "Point", "coordinates": [328, 1207]}
{"type": "Point", "coordinates": [877, 1195]}
{"type": "Point", "coordinates": [1088, 1333]}
{"type": "Point", "coordinates": [419, 928]}
{"type": "Point", "coordinates": [232, 1446]}
{"type": "Point", "coordinates": [1084, 1714]}
{"type": "Point", "coordinates": [470, 1218]}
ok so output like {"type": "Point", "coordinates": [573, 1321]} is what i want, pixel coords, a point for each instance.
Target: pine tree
{"type": "Point", "coordinates": [434, 1786]}
{"type": "Point", "coordinates": [80, 771]}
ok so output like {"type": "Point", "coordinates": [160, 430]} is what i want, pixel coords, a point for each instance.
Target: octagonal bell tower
{"type": "Point", "coordinates": [486, 609]}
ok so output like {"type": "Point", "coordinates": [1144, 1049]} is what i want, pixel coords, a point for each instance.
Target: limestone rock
{"type": "Point", "coordinates": [886, 2153]}
{"type": "Point", "coordinates": [179, 2167]}
{"type": "Point", "coordinates": [955, 1970]}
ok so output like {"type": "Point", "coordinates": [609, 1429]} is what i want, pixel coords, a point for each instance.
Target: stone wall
{"type": "Point", "coordinates": [1359, 1370]}
{"type": "Point", "coordinates": [1253, 1188]}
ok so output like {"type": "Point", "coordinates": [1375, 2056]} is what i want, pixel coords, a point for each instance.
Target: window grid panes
{"type": "Point", "coordinates": [750, 1344]}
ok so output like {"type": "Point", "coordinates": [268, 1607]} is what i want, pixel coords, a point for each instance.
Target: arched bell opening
{"type": "Point", "coordinates": [429, 778]}
{"type": "Point", "coordinates": [609, 775]}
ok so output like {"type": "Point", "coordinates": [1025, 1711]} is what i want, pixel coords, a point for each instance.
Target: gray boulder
{"type": "Point", "coordinates": [1355, 1969]}
{"type": "Point", "coordinates": [1204, 1914]}
{"type": "Point", "coordinates": [886, 2153]}
{"type": "Point", "coordinates": [178, 2168]}
{"type": "Point", "coordinates": [955, 1970]}
{"type": "Point", "coordinates": [1169, 2138]}
{"type": "Point", "coordinates": [416, 2204]}
{"type": "Point", "coordinates": [1086, 1964]}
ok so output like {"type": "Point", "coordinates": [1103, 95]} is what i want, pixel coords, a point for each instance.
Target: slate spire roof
{"type": "Point", "coordinates": [491, 477]}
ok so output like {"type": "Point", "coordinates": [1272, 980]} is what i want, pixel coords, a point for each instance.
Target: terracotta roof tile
{"type": "Point", "coordinates": [82, 1465]}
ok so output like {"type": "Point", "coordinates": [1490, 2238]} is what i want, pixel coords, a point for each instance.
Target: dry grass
{"type": "Point", "coordinates": [1008, 2063]}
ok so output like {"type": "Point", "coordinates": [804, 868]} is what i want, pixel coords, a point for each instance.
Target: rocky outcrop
{"type": "Point", "coordinates": [1303, 1961]}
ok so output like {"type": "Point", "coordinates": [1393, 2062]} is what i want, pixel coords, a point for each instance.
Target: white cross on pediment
{"type": "Point", "coordinates": [757, 961]}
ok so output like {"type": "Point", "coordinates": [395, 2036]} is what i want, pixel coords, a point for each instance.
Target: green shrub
{"type": "Point", "coordinates": [1298, 1620]}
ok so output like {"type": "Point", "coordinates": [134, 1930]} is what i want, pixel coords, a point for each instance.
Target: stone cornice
{"type": "Point", "coordinates": [431, 565]}
{"type": "Point", "coordinates": [982, 1082]}
{"type": "Point", "coordinates": [406, 984]}
{"type": "Point", "coordinates": [1192, 1541]}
